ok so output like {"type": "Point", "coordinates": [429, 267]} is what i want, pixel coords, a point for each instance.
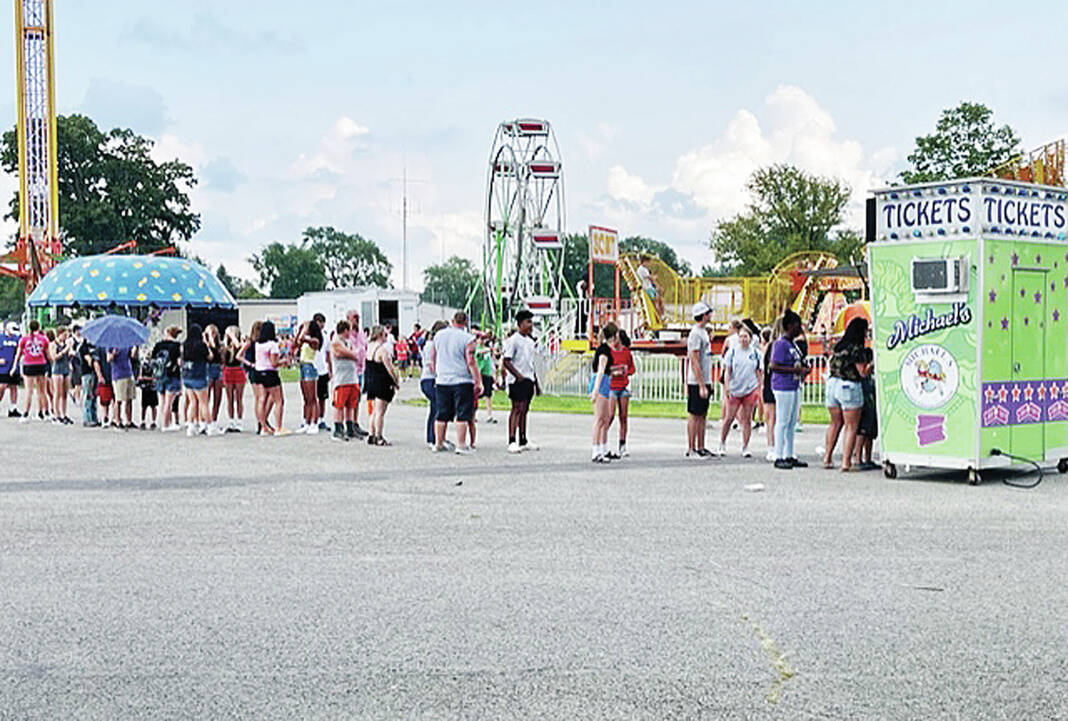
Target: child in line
{"type": "Point", "coordinates": [868, 430]}
{"type": "Point", "coordinates": [146, 381]}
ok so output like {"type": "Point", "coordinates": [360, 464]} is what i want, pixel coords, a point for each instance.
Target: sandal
{"type": "Point", "coordinates": [380, 441]}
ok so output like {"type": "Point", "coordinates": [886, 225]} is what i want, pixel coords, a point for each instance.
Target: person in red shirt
{"type": "Point", "coordinates": [33, 352]}
{"type": "Point", "coordinates": [401, 353]}
{"type": "Point", "coordinates": [622, 370]}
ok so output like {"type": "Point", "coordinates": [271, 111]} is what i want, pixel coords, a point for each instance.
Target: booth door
{"type": "Point", "coordinates": [1028, 363]}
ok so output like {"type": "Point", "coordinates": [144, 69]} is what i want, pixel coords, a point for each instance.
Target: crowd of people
{"type": "Point", "coordinates": [197, 380]}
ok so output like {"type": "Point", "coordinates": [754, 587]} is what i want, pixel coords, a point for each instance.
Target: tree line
{"type": "Point", "coordinates": [111, 190]}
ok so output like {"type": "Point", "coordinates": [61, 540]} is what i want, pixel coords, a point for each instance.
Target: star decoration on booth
{"type": "Point", "coordinates": [991, 257]}
{"type": "Point", "coordinates": [993, 295]}
{"type": "Point", "coordinates": [989, 393]}
{"type": "Point", "coordinates": [1004, 323]}
{"type": "Point", "coordinates": [1027, 321]}
{"type": "Point", "coordinates": [1064, 391]}
{"type": "Point", "coordinates": [1015, 259]}
{"type": "Point", "coordinates": [1038, 297]}
{"type": "Point", "coordinates": [1029, 392]}
{"type": "Point", "coordinates": [1022, 292]}
{"type": "Point", "coordinates": [1066, 281]}
{"type": "Point", "coordinates": [1053, 391]}
{"type": "Point", "coordinates": [1038, 258]}
{"type": "Point", "coordinates": [1003, 394]}
{"type": "Point", "coordinates": [1056, 315]}
{"type": "Point", "coordinates": [1015, 393]}
{"type": "Point", "coordinates": [1041, 392]}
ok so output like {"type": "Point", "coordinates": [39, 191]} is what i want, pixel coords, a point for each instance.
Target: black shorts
{"type": "Point", "coordinates": [322, 387]}
{"type": "Point", "coordinates": [254, 376]}
{"type": "Point", "coordinates": [521, 391]}
{"type": "Point", "coordinates": [487, 386]}
{"type": "Point", "coordinates": [7, 379]}
{"type": "Point", "coordinates": [37, 369]}
{"type": "Point", "coordinates": [455, 402]}
{"type": "Point", "coordinates": [869, 426]}
{"type": "Point", "coordinates": [149, 397]}
{"type": "Point", "coordinates": [695, 404]}
{"type": "Point", "coordinates": [269, 379]}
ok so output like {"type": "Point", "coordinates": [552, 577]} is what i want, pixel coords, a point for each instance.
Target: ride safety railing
{"type": "Point", "coordinates": [658, 377]}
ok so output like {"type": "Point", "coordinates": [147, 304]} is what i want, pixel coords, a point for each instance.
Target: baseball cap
{"type": "Point", "coordinates": [700, 308]}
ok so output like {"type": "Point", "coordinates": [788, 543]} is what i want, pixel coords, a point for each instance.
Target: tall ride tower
{"type": "Point", "coordinates": [38, 246]}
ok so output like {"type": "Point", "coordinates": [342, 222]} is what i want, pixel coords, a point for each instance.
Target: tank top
{"type": "Point", "coordinates": [307, 353]}
{"type": "Point", "coordinates": [345, 371]}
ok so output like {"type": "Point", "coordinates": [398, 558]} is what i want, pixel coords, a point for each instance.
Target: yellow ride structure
{"type": "Point", "coordinates": [761, 298]}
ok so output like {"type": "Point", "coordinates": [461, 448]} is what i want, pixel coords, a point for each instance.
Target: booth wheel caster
{"type": "Point", "coordinates": [975, 477]}
{"type": "Point", "coordinates": [1062, 465]}
{"type": "Point", "coordinates": [890, 470]}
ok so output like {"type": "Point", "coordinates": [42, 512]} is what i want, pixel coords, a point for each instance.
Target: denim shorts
{"type": "Point", "coordinates": [606, 386]}
{"type": "Point", "coordinates": [169, 385]}
{"type": "Point", "coordinates": [847, 395]}
{"type": "Point", "coordinates": [308, 372]}
{"type": "Point", "coordinates": [619, 393]}
{"type": "Point", "coordinates": [214, 372]}
{"type": "Point", "coordinates": [194, 383]}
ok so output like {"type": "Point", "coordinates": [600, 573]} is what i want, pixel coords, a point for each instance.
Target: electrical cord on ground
{"type": "Point", "coordinates": [1009, 481]}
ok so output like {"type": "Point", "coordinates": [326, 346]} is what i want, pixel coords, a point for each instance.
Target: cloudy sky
{"type": "Point", "coordinates": [298, 114]}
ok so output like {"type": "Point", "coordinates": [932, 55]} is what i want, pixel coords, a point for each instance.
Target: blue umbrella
{"type": "Point", "coordinates": [115, 331]}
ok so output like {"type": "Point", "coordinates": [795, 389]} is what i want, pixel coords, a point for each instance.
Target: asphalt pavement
{"type": "Point", "coordinates": [164, 577]}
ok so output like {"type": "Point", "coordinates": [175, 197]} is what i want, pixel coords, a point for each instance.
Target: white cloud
{"type": "Point", "coordinates": [793, 128]}
{"type": "Point", "coordinates": [335, 150]}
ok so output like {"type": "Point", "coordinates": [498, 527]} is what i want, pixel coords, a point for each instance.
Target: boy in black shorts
{"type": "Point", "coordinates": [868, 429]}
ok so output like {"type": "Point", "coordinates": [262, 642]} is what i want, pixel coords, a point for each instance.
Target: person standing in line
{"type": "Point", "coordinates": [269, 359]}
{"type": "Point", "coordinates": [213, 339]}
{"type": "Point", "coordinates": [146, 381]}
{"type": "Point", "coordinates": [309, 341]}
{"type": "Point", "coordinates": [86, 352]}
{"type": "Point", "coordinates": [76, 364]}
{"type": "Point", "coordinates": [845, 393]}
{"type": "Point", "coordinates": [167, 365]}
{"type": "Point", "coordinates": [346, 384]}
{"type": "Point", "coordinates": [32, 350]}
{"type": "Point", "coordinates": [247, 355]}
{"type": "Point", "coordinates": [787, 368]}
{"type": "Point", "coordinates": [622, 370]}
{"type": "Point", "coordinates": [484, 360]}
{"type": "Point", "coordinates": [518, 362]}
{"type": "Point", "coordinates": [600, 390]}
{"type": "Point", "coordinates": [802, 345]}
{"type": "Point", "coordinates": [698, 382]}
{"type": "Point", "coordinates": [62, 352]}
{"type": "Point", "coordinates": [9, 373]}
{"type": "Point", "coordinates": [233, 378]}
{"type": "Point", "coordinates": [195, 355]}
{"type": "Point", "coordinates": [457, 385]}
{"type": "Point", "coordinates": [427, 383]}
{"type": "Point", "coordinates": [868, 430]}
{"type": "Point", "coordinates": [383, 381]}
{"type": "Point", "coordinates": [358, 344]}
{"type": "Point", "coordinates": [770, 336]}
{"type": "Point", "coordinates": [123, 386]}
{"type": "Point", "coordinates": [743, 377]}
{"type": "Point", "coordinates": [104, 391]}
{"type": "Point", "coordinates": [325, 370]}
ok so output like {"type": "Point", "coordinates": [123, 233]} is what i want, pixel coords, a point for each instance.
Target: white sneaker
{"type": "Point", "coordinates": [464, 450]}
{"type": "Point", "coordinates": [303, 428]}
{"type": "Point", "coordinates": [722, 450]}
{"type": "Point", "coordinates": [514, 447]}
{"type": "Point", "coordinates": [528, 446]}
{"type": "Point", "coordinates": [24, 419]}
{"type": "Point", "coordinates": [623, 452]}
{"type": "Point", "coordinates": [213, 431]}
{"type": "Point", "coordinates": [312, 430]}
{"type": "Point", "coordinates": [746, 453]}
{"type": "Point", "coordinates": [190, 430]}
{"type": "Point", "coordinates": [770, 455]}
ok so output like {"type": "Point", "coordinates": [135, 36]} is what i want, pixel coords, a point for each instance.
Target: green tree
{"type": "Point", "coordinates": [349, 259]}
{"type": "Point", "coordinates": [451, 283]}
{"type": "Point", "coordinates": [965, 143]}
{"type": "Point", "coordinates": [12, 297]}
{"type": "Point", "coordinates": [658, 248]}
{"type": "Point", "coordinates": [790, 211]}
{"type": "Point", "coordinates": [229, 282]}
{"type": "Point", "coordinates": [289, 271]}
{"type": "Point", "coordinates": [111, 190]}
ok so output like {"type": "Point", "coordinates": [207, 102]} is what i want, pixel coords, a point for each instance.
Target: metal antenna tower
{"type": "Point", "coordinates": [404, 221]}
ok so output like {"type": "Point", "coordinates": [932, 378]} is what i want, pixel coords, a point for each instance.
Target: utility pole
{"type": "Point", "coordinates": [404, 222]}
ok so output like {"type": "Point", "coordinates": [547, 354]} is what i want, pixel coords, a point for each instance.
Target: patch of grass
{"type": "Point", "coordinates": [638, 409]}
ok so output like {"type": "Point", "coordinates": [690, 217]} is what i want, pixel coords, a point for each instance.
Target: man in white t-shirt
{"type": "Point", "coordinates": [698, 382]}
{"type": "Point", "coordinates": [518, 360]}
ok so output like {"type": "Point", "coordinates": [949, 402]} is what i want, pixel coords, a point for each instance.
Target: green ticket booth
{"type": "Point", "coordinates": [969, 289]}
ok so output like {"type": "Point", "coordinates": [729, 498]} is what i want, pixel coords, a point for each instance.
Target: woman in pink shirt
{"type": "Point", "coordinates": [33, 352]}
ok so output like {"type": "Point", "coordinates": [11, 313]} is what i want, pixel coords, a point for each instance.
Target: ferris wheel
{"type": "Point", "coordinates": [523, 253]}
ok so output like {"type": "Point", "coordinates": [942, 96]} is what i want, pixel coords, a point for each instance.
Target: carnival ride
{"type": "Point", "coordinates": [523, 251]}
{"type": "Point", "coordinates": [38, 247]}
{"type": "Point", "coordinates": [1044, 166]}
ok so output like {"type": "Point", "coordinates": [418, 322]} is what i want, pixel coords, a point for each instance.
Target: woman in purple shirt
{"type": "Point", "coordinates": [787, 368]}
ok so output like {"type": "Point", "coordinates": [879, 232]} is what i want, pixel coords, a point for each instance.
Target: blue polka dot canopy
{"type": "Point", "coordinates": [134, 280]}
